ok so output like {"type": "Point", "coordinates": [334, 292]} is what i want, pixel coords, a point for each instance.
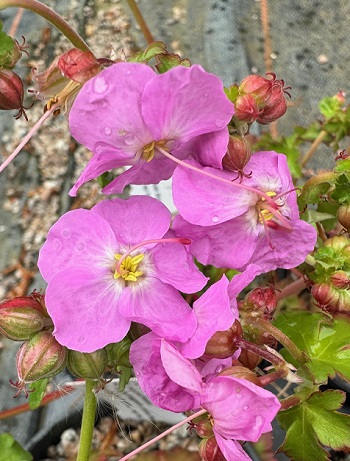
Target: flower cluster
{"type": "Point", "coordinates": [125, 261]}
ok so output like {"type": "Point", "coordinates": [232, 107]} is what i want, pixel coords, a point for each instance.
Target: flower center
{"type": "Point", "coordinates": [149, 149]}
{"type": "Point", "coordinates": [264, 212]}
{"type": "Point", "coordinates": [128, 267]}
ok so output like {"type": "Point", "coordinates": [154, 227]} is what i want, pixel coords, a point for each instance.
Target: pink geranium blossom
{"type": "Point", "coordinates": [108, 266]}
{"type": "Point", "coordinates": [234, 226]}
{"type": "Point", "coordinates": [239, 409]}
{"type": "Point", "coordinates": [125, 113]}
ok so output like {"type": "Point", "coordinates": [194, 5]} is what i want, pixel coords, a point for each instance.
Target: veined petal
{"type": "Point", "coordinates": [231, 449]}
{"type": "Point", "coordinates": [213, 314]}
{"type": "Point", "coordinates": [160, 307]}
{"type": "Point", "coordinates": [80, 237]}
{"type": "Point", "coordinates": [83, 305]}
{"type": "Point", "coordinates": [185, 102]}
{"type": "Point", "coordinates": [136, 219]}
{"type": "Point", "coordinates": [109, 106]}
{"type": "Point", "coordinates": [174, 265]}
{"type": "Point", "coordinates": [215, 201]}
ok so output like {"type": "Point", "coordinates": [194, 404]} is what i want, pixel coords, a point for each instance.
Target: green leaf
{"type": "Point", "coordinates": [341, 193]}
{"type": "Point", "coordinates": [326, 342]}
{"type": "Point", "coordinates": [150, 52]}
{"type": "Point", "coordinates": [232, 92]}
{"type": "Point", "coordinates": [315, 188]}
{"type": "Point", "coordinates": [11, 450]}
{"type": "Point", "coordinates": [38, 391]}
{"type": "Point", "coordinates": [7, 43]}
{"type": "Point", "coordinates": [168, 61]}
{"type": "Point", "coordinates": [342, 165]}
{"type": "Point", "coordinates": [314, 423]}
{"type": "Point", "coordinates": [330, 106]}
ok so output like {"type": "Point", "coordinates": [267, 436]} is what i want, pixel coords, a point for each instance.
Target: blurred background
{"type": "Point", "coordinates": [304, 42]}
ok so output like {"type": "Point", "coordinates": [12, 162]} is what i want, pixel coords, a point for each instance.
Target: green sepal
{"type": "Point", "coordinates": [124, 377]}
{"type": "Point", "coordinates": [326, 342]}
{"type": "Point", "coordinates": [168, 61]}
{"type": "Point", "coordinates": [313, 424]}
{"type": "Point", "coordinates": [150, 52]}
{"type": "Point", "coordinates": [37, 392]}
{"type": "Point", "coordinates": [232, 92]}
{"type": "Point", "coordinates": [7, 43]}
{"type": "Point", "coordinates": [11, 450]}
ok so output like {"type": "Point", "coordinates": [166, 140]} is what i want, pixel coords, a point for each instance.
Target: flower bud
{"type": "Point", "coordinates": [202, 426]}
{"type": "Point", "coordinates": [261, 300]}
{"type": "Point", "coordinates": [246, 108]}
{"type": "Point", "coordinates": [338, 243]}
{"type": "Point", "coordinates": [242, 373]}
{"type": "Point", "coordinates": [340, 279]}
{"type": "Point", "coordinates": [10, 50]}
{"type": "Point", "coordinates": [238, 154]}
{"type": "Point", "coordinates": [78, 65]}
{"type": "Point", "coordinates": [40, 357]}
{"type": "Point", "coordinates": [85, 365]}
{"type": "Point", "coordinates": [222, 344]}
{"type": "Point", "coordinates": [21, 318]}
{"type": "Point", "coordinates": [275, 107]}
{"type": "Point", "coordinates": [209, 450]}
{"type": "Point", "coordinates": [249, 359]}
{"type": "Point", "coordinates": [343, 216]}
{"type": "Point", "coordinates": [259, 86]}
{"type": "Point", "coordinates": [331, 299]}
{"type": "Point", "coordinates": [11, 92]}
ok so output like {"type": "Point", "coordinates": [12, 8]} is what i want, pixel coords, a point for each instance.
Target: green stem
{"type": "Point", "coordinates": [51, 16]}
{"type": "Point", "coordinates": [140, 20]}
{"type": "Point", "coordinates": [87, 425]}
{"type": "Point", "coordinates": [266, 326]}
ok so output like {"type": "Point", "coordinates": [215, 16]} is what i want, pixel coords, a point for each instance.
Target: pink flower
{"type": "Point", "coordinates": [111, 265]}
{"type": "Point", "coordinates": [235, 227]}
{"type": "Point", "coordinates": [239, 409]}
{"type": "Point", "coordinates": [127, 113]}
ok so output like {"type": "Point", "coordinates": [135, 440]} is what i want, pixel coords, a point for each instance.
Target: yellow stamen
{"type": "Point", "coordinates": [264, 215]}
{"type": "Point", "coordinates": [149, 149]}
{"type": "Point", "coordinates": [128, 268]}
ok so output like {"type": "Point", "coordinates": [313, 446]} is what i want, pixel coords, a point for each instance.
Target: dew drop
{"type": "Point", "coordinates": [129, 139]}
{"type": "Point", "coordinates": [245, 408]}
{"type": "Point", "coordinates": [259, 420]}
{"type": "Point", "coordinates": [80, 246]}
{"type": "Point", "coordinates": [128, 72]}
{"type": "Point", "coordinates": [104, 104]}
{"type": "Point", "coordinates": [108, 131]}
{"type": "Point", "coordinates": [238, 393]}
{"type": "Point", "coordinates": [219, 123]}
{"type": "Point", "coordinates": [100, 84]}
{"type": "Point", "coordinates": [65, 233]}
{"type": "Point", "coordinates": [57, 244]}
{"type": "Point", "coordinates": [205, 95]}
{"type": "Point", "coordinates": [215, 218]}
{"type": "Point", "coordinates": [81, 339]}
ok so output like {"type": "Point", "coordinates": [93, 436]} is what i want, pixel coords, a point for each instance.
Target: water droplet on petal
{"type": "Point", "coordinates": [205, 95]}
{"type": "Point", "coordinates": [81, 339]}
{"type": "Point", "coordinates": [65, 233]}
{"type": "Point", "coordinates": [215, 218]}
{"type": "Point", "coordinates": [104, 104]}
{"type": "Point", "coordinates": [80, 246]}
{"type": "Point", "coordinates": [129, 139]}
{"type": "Point", "coordinates": [238, 393]}
{"type": "Point", "coordinates": [128, 72]}
{"type": "Point", "coordinates": [245, 408]}
{"type": "Point", "coordinates": [219, 123]}
{"type": "Point", "coordinates": [100, 84]}
{"type": "Point", "coordinates": [259, 421]}
{"type": "Point", "coordinates": [57, 244]}
{"type": "Point", "coordinates": [108, 131]}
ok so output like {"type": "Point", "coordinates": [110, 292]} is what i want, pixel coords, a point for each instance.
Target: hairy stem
{"type": "Point", "coordinates": [51, 16]}
{"type": "Point", "coordinates": [87, 425]}
{"type": "Point", "coordinates": [318, 140]}
{"type": "Point", "coordinates": [141, 22]}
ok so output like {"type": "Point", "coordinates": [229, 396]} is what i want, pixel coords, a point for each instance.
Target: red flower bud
{"type": "Point", "coordinates": [275, 107]}
{"type": "Point", "coordinates": [78, 65]}
{"type": "Point", "coordinates": [331, 299]}
{"type": "Point", "coordinates": [210, 451]}
{"type": "Point", "coordinates": [88, 365]}
{"type": "Point", "coordinates": [249, 359]}
{"type": "Point", "coordinates": [259, 86]}
{"type": "Point", "coordinates": [202, 426]}
{"type": "Point", "coordinates": [340, 279]}
{"type": "Point", "coordinates": [11, 92]}
{"type": "Point", "coordinates": [21, 318]}
{"type": "Point", "coordinates": [222, 344]}
{"type": "Point", "coordinates": [262, 300]}
{"type": "Point", "coordinates": [238, 154]}
{"type": "Point", "coordinates": [40, 357]}
{"type": "Point", "coordinates": [246, 108]}
{"type": "Point", "coordinates": [242, 373]}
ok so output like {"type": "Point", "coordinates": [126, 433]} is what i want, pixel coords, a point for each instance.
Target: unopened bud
{"type": "Point", "coordinates": [209, 450]}
{"type": "Point", "coordinates": [331, 299]}
{"type": "Point", "coordinates": [259, 86]}
{"type": "Point", "coordinates": [11, 92]}
{"type": "Point", "coordinates": [246, 108]}
{"type": "Point", "coordinates": [85, 365]}
{"type": "Point", "coordinates": [262, 301]}
{"type": "Point", "coordinates": [202, 426]}
{"type": "Point", "coordinates": [10, 50]}
{"type": "Point", "coordinates": [222, 344]}
{"type": "Point", "coordinates": [242, 373]}
{"type": "Point", "coordinates": [340, 279]}
{"type": "Point", "coordinates": [40, 357]}
{"type": "Point", "coordinates": [343, 216]}
{"type": "Point", "coordinates": [78, 65]}
{"type": "Point", "coordinates": [238, 154]}
{"type": "Point", "coordinates": [275, 107]}
{"type": "Point", "coordinates": [21, 318]}
{"type": "Point", "coordinates": [249, 359]}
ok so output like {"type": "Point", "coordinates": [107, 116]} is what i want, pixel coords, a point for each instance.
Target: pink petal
{"type": "Point", "coordinates": [79, 237]}
{"type": "Point", "coordinates": [83, 305]}
{"type": "Point", "coordinates": [179, 369]}
{"type": "Point", "coordinates": [185, 102]}
{"type": "Point", "coordinates": [136, 219]}
{"type": "Point", "coordinates": [231, 449]}
{"type": "Point", "coordinates": [241, 410]}
{"type": "Point", "coordinates": [175, 266]}
{"type": "Point", "coordinates": [154, 381]}
{"type": "Point", "coordinates": [215, 201]}
{"type": "Point", "coordinates": [213, 314]}
{"type": "Point", "coordinates": [160, 307]}
{"type": "Point", "coordinates": [108, 107]}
